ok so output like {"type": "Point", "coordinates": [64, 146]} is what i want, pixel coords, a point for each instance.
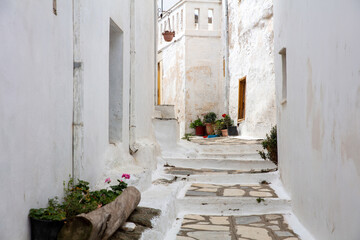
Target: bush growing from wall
{"type": "Point", "coordinates": [270, 145]}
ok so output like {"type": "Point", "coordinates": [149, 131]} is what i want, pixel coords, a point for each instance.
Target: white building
{"type": "Point", "coordinates": [221, 60]}
{"type": "Point", "coordinates": [251, 78]}
{"type": "Point", "coordinates": [190, 68]}
{"type": "Point", "coordinates": [71, 77]}
{"type": "Point", "coordinates": [318, 99]}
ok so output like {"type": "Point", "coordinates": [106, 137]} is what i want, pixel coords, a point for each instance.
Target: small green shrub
{"type": "Point", "coordinates": [196, 123]}
{"type": "Point", "coordinates": [210, 117]}
{"type": "Point", "coordinates": [270, 144]}
{"type": "Point", "coordinates": [54, 211]}
{"type": "Point", "coordinates": [187, 136]}
{"type": "Point", "coordinates": [79, 199]}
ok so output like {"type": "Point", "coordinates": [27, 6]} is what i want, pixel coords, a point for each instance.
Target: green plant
{"type": "Point", "coordinates": [196, 123]}
{"type": "Point", "coordinates": [210, 117]}
{"type": "Point", "coordinates": [228, 122]}
{"type": "Point", "coordinates": [219, 125]}
{"type": "Point", "coordinates": [54, 211]}
{"type": "Point", "coordinates": [187, 136]}
{"type": "Point", "coordinates": [259, 200]}
{"type": "Point", "coordinates": [270, 144]}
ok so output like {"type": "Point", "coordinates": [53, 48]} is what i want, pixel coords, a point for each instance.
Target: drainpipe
{"type": "Point", "coordinates": [155, 50]}
{"type": "Point", "coordinates": [78, 95]}
{"type": "Point", "coordinates": [226, 35]}
{"type": "Point", "coordinates": [132, 118]}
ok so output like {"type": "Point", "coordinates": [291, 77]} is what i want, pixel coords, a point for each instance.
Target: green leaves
{"type": "Point", "coordinates": [196, 123]}
{"type": "Point", "coordinates": [78, 199]}
{"type": "Point", "coordinates": [270, 144]}
{"type": "Point", "coordinates": [210, 117]}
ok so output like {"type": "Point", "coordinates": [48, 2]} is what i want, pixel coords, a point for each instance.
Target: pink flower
{"type": "Point", "coordinates": [108, 180]}
{"type": "Point", "coordinates": [224, 115]}
{"type": "Point", "coordinates": [126, 176]}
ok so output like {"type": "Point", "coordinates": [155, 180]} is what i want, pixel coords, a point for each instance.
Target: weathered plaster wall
{"type": "Point", "coordinates": [192, 63]}
{"type": "Point", "coordinates": [173, 80]}
{"type": "Point", "coordinates": [36, 99]}
{"type": "Point", "coordinates": [35, 108]}
{"type": "Point", "coordinates": [251, 55]}
{"type": "Point", "coordinates": [318, 126]}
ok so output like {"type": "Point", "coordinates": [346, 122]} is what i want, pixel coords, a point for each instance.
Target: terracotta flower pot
{"type": "Point", "coordinates": [209, 128]}
{"type": "Point", "coordinates": [200, 131]}
{"type": "Point", "coordinates": [224, 132]}
{"type": "Point", "coordinates": [168, 36]}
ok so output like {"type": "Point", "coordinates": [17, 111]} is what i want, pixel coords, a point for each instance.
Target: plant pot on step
{"type": "Point", "coordinates": [168, 36]}
{"type": "Point", "coordinates": [209, 128]}
{"type": "Point", "coordinates": [224, 132]}
{"type": "Point", "coordinates": [45, 229]}
{"type": "Point", "coordinates": [232, 131]}
{"type": "Point", "coordinates": [200, 131]}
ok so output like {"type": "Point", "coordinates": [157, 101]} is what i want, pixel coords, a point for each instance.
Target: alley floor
{"type": "Point", "coordinates": [223, 191]}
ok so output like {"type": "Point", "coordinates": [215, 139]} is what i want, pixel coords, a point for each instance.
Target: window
{"type": "Point", "coordinates": [242, 99]}
{"type": "Point", "coordinates": [284, 76]}
{"type": "Point", "coordinates": [196, 18]}
{"type": "Point", "coordinates": [182, 19]}
{"type": "Point", "coordinates": [177, 22]}
{"type": "Point", "coordinates": [160, 33]}
{"type": "Point", "coordinates": [115, 83]}
{"type": "Point", "coordinates": [173, 24]}
{"type": "Point", "coordinates": [210, 19]}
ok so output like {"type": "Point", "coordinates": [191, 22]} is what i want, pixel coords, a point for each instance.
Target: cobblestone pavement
{"type": "Point", "coordinates": [254, 227]}
{"type": "Point", "coordinates": [243, 190]}
{"type": "Point", "coordinates": [205, 171]}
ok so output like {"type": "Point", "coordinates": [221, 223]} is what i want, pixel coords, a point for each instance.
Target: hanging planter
{"type": "Point", "coordinates": [168, 36]}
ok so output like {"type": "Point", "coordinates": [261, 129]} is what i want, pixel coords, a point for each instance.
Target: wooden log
{"type": "Point", "coordinates": [103, 222]}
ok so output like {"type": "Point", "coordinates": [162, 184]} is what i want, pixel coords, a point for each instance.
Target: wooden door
{"type": "Point", "coordinates": [242, 99]}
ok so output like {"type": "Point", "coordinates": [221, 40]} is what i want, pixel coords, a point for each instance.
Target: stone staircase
{"type": "Point", "coordinates": [217, 189]}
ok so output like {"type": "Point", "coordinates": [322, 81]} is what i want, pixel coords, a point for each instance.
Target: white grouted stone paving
{"type": "Point", "coordinates": [255, 227]}
{"type": "Point", "coordinates": [220, 197]}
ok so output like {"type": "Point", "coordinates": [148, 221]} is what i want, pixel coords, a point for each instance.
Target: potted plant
{"type": "Point", "coordinates": [227, 122]}
{"type": "Point", "coordinates": [45, 223]}
{"type": "Point", "coordinates": [219, 125]}
{"type": "Point", "coordinates": [198, 125]}
{"type": "Point", "coordinates": [168, 35]}
{"type": "Point", "coordinates": [209, 120]}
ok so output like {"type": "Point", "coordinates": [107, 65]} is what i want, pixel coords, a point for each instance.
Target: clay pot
{"type": "Point", "coordinates": [209, 128]}
{"type": "Point", "coordinates": [168, 36]}
{"type": "Point", "coordinates": [224, 132]}
{"type": "Point", "coordinates": [200, 131]}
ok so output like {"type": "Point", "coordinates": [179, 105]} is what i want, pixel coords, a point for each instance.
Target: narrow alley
{"type": "Point", "coordinates": [180, 120]}
{"type": "Point", "coordinates": [219, 188]}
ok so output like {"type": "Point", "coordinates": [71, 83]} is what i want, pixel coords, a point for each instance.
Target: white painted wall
{"type": "Point", "coordinates": [251, 55]}
{"type": "Point", "coordinates": [192, 63]}
{"type": "Point", "coordinates": [35, 108]}
{"type": "Point", "coordinates": [36, 99]}
{"type": "Point", "coordinates": [318, 126]}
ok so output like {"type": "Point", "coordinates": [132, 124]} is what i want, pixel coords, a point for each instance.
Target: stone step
{"type": "Point", "coordinates": [241, 148]}
{"type": "Point", "coordinates": [232, 155]}
{"type": "Point", "coordinates": [240, 165]}
{"type": "Point", "coordinates": [232, 205]}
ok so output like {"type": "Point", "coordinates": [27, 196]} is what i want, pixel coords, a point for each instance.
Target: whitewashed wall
{"type": "Point", "coordinates": [36, 99]}
{"type": "Point", "coordinates": [192, 63]}
{"type": "Point", "coordinates": [318, 125]}
{"type": "Point", "coordinates": [251, 55]}
{"type": "Point", "coordinates": [36, 84]}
